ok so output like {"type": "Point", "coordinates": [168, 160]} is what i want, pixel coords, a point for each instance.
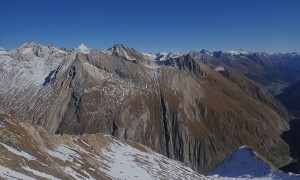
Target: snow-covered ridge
{"type": "Point", "coordinates": [161, 56]}
{"type": "Point", "coordinates": [237, 52]}
{"type": "Point", "coordinates": [245, 163]}
{"type": "Point", "coordinates": [204, 51]}
{"type": "Point", "coordinates": [29, 65]}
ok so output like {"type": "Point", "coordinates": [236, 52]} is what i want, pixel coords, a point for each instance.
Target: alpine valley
{"type": "Point", "coordinates": [121, 114]}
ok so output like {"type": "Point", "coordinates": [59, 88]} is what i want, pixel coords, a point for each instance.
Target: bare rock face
{"type": "Point", "coordinates": [180, 107]}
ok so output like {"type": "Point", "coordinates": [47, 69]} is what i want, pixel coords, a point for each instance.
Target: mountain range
{"type": "Point", "coordinates": [196, 108]}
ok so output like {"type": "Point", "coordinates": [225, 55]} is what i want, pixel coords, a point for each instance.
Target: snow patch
{"type": "Point", "coordinates": [149, 56]}
{"type": "Point", "coordinates": [64, 153]}
{"type": "Point", "coordinates": [73, 173]}
{"type": "Point", "coordinates": [18, 153]}
{"type": "Point", "coordinates": [2, 125]}
{"type": "Point", "coordinates": [237, 52]}
{"type": "Point", "coordinates": [7, 173]}
{"type": "Point", "coordinates": [220, 68]}
{"type": "Point", "coordinates": [126, 162]}
{"type": "Point", "coordinates": [41, 174]}
{"type": "Point", "coordinates": [162, 56]}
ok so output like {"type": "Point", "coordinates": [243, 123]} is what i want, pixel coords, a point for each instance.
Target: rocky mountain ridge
{"type": "Point", "coordinates": [180, 107]}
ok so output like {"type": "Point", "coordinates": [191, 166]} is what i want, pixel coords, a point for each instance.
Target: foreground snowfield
{"type": "Point", "coordinates": [28, 152]}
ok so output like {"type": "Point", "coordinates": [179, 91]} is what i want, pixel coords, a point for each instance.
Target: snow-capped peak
{"type": "Point", "coordinates": [29, 45]}
{"type": "Point", "coordinates": [150, 56]}
{"type": "Point", "coordinates": [168, 55]}
{"type": "Point", "coordinates": [83, 49]}
{"type": "Point", "coordinates": [237, 52]}
{"type": "Point", "coordinates": [161, 56]}
{"type": "Point", "coordinates": [3, 51]}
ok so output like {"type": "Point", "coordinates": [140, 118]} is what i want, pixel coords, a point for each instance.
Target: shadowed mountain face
{"type": "Point", "coordinates": [273, 71]}
{"type": "Point", "coordinates": [290, 97]}
{"type": "Point", "coordinates": [292, 138]}
{"type": "Point", "coordinates": [245, 163]}
{"type": "Point", "coordinates": [183, 107]}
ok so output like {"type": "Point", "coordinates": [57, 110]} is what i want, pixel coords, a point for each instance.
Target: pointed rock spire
{"type": "Point", "coordinates": [123, 52]}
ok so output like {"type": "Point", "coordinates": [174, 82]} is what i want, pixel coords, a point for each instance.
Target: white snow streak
{"type": "Point", "coordinates": [19, 153]}
{"type": "Point", "coordinates": [7, 173]}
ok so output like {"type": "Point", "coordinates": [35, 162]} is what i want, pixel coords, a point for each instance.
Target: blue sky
{"type": "Point", "coordinates": [154, 25]}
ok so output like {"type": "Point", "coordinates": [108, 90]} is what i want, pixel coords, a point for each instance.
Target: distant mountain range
{"type": "Point", "coordinates": [196, 108]}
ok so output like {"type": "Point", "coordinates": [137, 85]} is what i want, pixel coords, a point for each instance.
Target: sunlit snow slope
{"type": "Point", "coordinates": [28, 152]}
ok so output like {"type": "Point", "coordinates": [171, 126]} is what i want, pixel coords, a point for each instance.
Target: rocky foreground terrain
{"type": "Point", "coordinates": [187, 107]}
{"type": "Point", "coordinates": [30, 152]}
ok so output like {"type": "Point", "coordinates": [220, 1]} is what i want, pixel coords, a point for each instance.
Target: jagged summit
{"type": "Point", "coordinates": [29, 45]}
{"type": "Point", "coordinates": [31, 50]}
{"type": "Point", "coordinates": [204, 51]}
{"type": "Point", "coordinates": [123, 52]}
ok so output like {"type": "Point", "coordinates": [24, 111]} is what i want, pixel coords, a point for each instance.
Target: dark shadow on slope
{"type": "Point", "coordinates": [290, 97]}
{"type": "Point", "coordinates": [291, 137]}
{"type": "Point", "coordinates": [48, 78]}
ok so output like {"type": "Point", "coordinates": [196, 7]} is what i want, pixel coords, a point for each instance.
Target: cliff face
{"type": "Point", "coordinates": [181, 107]}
